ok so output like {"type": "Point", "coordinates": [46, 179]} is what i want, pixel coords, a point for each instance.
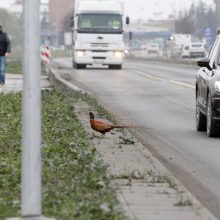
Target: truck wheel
{"type": "Point", "coordinates": [79, 66]}
{"type": "Point", "coordinates": [75, 65]}
{"type": "Point", "coordinates": [118, 67]}
{"type": "Point", "coordinates": [115, 67]}
{"type": "Point", "coordinates": [82, 66]}
{"type": "Point", "coordinates": [110, 66]}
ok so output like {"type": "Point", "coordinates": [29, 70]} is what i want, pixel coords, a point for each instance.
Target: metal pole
{"type": "Point", "coordinates": [31, 103]}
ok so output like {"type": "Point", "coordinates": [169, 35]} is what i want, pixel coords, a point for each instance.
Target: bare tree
{"type": "Point", "coordinates": [12, 25]}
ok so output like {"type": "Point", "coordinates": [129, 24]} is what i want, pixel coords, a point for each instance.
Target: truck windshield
{"type": "Point", "coordinates": [89, 22]}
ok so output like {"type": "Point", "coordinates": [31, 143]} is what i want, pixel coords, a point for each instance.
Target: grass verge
{"type": "Point", "coordinates": [14, 66]}
{"type": "Point", "coordinates": [74, 179]}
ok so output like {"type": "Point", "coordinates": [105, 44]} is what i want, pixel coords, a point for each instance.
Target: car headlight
{"type": "Point", "coordinates": [80, 53]}
{"type": "Point", "coordinates": [217, 86]}
{"type": "Point", "coordinates": [118, 54]}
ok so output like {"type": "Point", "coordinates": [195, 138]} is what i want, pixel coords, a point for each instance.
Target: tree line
{"type": "Point", "coordinates": [195, 20]}
{"type": "Point", "coordinates": [12, 25]}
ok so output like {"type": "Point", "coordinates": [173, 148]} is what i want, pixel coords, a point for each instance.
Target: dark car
{"type": "Point", "coordinates": [208, 92]}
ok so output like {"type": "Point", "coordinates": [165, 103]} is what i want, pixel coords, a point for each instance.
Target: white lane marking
{"type": "Point", "coordinates": [166, 80]}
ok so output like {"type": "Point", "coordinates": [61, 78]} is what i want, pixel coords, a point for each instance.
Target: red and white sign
{"type": "Point", "coordinates": [45, 54]}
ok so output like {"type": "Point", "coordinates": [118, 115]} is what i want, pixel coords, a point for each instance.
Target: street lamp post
{"type": "Point", "coordinates": [31, 155]}
{"type": "Point", "coordinates": [31, 119]}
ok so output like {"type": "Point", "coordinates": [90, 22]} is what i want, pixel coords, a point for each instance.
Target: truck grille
{"type": "Point", "coordinates": [99, 51]}
{"type": "Point", "coordinates": [99, 45]}
{"type": "Point", "coordinates": [101, 58]}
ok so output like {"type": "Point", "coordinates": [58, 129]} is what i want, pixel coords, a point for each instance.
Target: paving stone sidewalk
{"type": "Point", "coordinates": [14, 83]}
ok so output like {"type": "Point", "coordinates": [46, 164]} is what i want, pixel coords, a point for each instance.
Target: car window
{"type": "Point", "coordinates": [212, 48]}
{"type": "Point", "coordinates": [214, 53]}
{"type": "Point", "coordinates": [218, 57]}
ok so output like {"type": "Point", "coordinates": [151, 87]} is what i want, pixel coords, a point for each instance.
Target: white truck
{"type": "Point", "coordinates": [98, 33]}
{"type": "Point", "coordinates": [179, 40]}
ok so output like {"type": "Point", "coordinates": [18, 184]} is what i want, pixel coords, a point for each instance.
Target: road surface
{"type": "Point", "coordinates": [161, 98]}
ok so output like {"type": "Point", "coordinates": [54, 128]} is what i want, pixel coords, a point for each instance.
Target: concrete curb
{"type": "Point", "coordinates": [56, 79]}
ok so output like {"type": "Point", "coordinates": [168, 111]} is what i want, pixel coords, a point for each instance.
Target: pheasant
{"type": "Point", "coordinates": [102, 126]}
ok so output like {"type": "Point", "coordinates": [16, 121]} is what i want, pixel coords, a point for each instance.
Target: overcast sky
{"type": "Point", "coordinates": [144, 9]}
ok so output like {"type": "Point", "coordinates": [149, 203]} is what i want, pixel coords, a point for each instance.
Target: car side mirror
{"type": "Point", "coordinates": [205, 62]}
{"type": "Point", "coordinates": [71, 21]}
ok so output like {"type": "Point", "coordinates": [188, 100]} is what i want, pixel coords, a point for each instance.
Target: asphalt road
{"type": "Point", "coordinates": [161, 98]}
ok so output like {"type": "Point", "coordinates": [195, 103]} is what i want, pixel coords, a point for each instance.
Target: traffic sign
{"type": "Point", "coordinates": [208, 36]}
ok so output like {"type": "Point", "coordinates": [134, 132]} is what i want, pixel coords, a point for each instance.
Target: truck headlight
{"type": "Point", "coordinates": [80, 53]}
{"type": "Point", "coordinates": [118, 54]}
{"type": "Point", "coordinates": [217, 86]}
{"type": "Point", "coordinates": [126, 51]}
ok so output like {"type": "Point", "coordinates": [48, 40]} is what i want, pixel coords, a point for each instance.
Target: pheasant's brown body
{"type": "Point", "coordinates": [103, 127]}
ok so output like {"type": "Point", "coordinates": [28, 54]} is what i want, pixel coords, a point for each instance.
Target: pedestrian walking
{"type": "Point", "coordinates": [5, 49]}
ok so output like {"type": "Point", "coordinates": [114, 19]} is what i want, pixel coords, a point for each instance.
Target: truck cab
{"type": "Point", "coordinates": [98, 33]}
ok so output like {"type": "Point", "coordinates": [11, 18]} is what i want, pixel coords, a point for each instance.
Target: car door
{"type": "Point", "coordinates": [202, 80]}
{"type": "Point", "coordinates": [206, 75]}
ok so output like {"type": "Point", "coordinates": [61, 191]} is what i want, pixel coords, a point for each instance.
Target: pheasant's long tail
{"type": "Point", "coordinates": [126, 126]}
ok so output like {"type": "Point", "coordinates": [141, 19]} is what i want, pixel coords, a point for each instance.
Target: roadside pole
{"type": "Point", "coordinates": [31, 155]}
{"type": "Point", "coordinates": [31, 114]}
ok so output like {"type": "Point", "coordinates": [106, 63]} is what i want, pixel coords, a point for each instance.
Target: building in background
{"type": "Point", "coordinates": [217, 4]}
{"type": "Point", "coordinates": [217, 7]}
{"type": "Point", "coordinates": [52, 14]}
{"type": "Point", "coordinates": [59, 9]}
{"type": "Point", "coordinates": [17, 8]}
{"type": "Point", "coordinates": [59, 17]}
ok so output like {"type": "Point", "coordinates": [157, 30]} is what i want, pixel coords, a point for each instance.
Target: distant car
{"type": "Point", "coordinates": [197, 49]}
{"type": "Point", "coordinates": [208, 92]}
{"type": "Point", "coordinates": [153, 49]}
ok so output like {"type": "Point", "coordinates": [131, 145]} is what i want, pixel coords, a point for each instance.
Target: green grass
{"type": "Point", "coordinates": [61, 53]}
{"type": "Point", "coordinates": [13, 66]}
{"type": "Point", "coordinates": [74, 180]}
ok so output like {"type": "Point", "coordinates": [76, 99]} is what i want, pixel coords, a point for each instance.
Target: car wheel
{"type": "Point", "coordinates": [200, 118]}
{"type": "Point", "coordinates": [211, 125]}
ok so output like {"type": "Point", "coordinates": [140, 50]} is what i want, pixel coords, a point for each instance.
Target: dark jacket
{"type": "Point", "coordinates": [5, 44]}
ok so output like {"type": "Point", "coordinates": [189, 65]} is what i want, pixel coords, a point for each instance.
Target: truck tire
{"type": "Point", "coordinates": [118, 67]}
{"type": "Point", "coordinates": [79, 66]}
{"type": "Point", "coordinates": [75, 65]}
{"type": "Point", "coordinates": [115, 66]}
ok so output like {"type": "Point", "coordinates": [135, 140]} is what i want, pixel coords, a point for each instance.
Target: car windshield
{"type": "Point", "coordinates": [100, 21]}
